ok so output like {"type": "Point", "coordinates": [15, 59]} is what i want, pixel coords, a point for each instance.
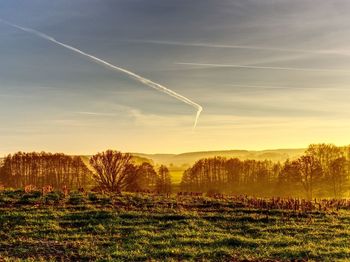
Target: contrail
{"type": "Point", "coordinates": [265, 67]}
{"type": "Point", "coordinates": [139, 78]}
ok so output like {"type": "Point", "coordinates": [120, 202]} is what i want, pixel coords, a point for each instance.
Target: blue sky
{"type": "Point", "coordinates": [269, 74]}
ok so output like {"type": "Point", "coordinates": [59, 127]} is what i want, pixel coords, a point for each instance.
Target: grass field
{"type": "Point", "coordinates": [157, 228]}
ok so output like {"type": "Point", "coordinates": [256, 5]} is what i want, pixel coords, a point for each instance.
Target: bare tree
{"type": "Point", "coordinates": [140, 177]}
{"type": "Point", "coordinates": [164, 180]}
{"type": "Point", "coordinates": [146, 176]}
{"type": "Point", "coordinates": [309, 169]}
{"type": "Point", "coordinates": [109, 169]}
{"type": "Point", "coordinates": [338, 176]}
{"type": "Point", "coordinates": [41, 169]}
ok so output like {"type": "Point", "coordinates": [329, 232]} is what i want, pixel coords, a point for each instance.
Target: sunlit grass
{"type": "Point", "coordinates": [145, 227]}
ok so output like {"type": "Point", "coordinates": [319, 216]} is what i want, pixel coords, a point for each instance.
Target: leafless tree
{"type": "Point", "coordinates": [309, 169]}
{"type": "Point", "coordinates": [338, 176]}
{"type": "Point", "coordinates": [110, 169]}
{"type": "Point", "coordinates": [164, 180]}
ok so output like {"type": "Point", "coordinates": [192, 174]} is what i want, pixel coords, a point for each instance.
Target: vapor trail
{"type": "Point", "coordinates": [265, 67]}
{"type": "Point", "coordinates": [139, 78]}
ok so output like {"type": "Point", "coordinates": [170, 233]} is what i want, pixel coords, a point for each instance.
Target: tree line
{"type": "Point", "coordinates": [110, 171]}
{"type": "Point", "coordinates": [323, 171]}
{"type": "Point", "coordinates": [40, 169]}
{"type": "Point", "coordinates": [223, 175]}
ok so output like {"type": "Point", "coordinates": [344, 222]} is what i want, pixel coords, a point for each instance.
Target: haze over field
{"type": "Point", "coordinates": [268, 74]}
{"type": "Point", "coordinates": [178, 163]}
{"type": "Point", "coordinates": [276, 155]}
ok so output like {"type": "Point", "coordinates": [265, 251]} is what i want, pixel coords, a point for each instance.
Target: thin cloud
{"type": "Point", "coordinates": [249, 47]}
{"type": "Point", "coordinates": [94, 113]}
{"type": "Point", "coordinates": [263, 67]}
{"type": "Point", "coordinates": [287, 87]}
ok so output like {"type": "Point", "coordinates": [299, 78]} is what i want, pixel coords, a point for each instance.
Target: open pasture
{"type": "Point", "coordinates": [146, 227]}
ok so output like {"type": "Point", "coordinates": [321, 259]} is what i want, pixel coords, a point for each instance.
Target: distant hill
{"type": "Point", "coordinates": [190, 158]}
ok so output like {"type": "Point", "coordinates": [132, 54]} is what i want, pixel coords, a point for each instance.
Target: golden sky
{"type": "Point", "coordinates": [268, 74]}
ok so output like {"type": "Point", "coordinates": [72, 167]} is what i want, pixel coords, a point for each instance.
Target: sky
{"type": "Point", "coordinates": [268, 74]}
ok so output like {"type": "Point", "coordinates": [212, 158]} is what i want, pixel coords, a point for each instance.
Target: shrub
{"type": "Point", "coordinates": [99, 199]}
{"type": "Point", "coordinates": [76, 198]}
{"type": "Point", "coordinates": [53, 198]}
{"type": "Point", "coordinates": [93, 197]}
{"type": "Point", "coordinates": [30, 198]}
{"type": "Point", "coordinates": [14, 193]}
{"type": "Point", "coordinates": [105, 200]}
{"type": "Point", "coordinates": [4, 200]}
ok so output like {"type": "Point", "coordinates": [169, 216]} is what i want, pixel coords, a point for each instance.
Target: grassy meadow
{"type": "Point", "coordinates": [145, 227]}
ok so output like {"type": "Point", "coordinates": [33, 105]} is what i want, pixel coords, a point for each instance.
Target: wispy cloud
{"type": "Point", "coordinates": [215, 121]}
{"type": "Point", "coordinates": [144, 120]}
{"type": "Point", "coordinates": [277, 87]}
{"type": "Point", "coordinates": [95, 113]}
{"type": "Point", "coordinates": [344, 52]}
{"type": "Point", "coordinates": [263, 67]}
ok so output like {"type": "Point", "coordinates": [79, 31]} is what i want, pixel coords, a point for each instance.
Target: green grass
{"type": "Point", "coordinates": [155, 228]}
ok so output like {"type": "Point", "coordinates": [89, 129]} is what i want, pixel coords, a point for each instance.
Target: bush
{"type": "Point", "coordinates": [30, 198]}
{"type": "Point", "coordinates": [99, 199]}
{"type": "Point", "coordinates": [93, 197]}
{"type": "Point", "coordinates": [15, 194]}
{"type": "Point", "coordinates": [76, 198]}
{"type": "Point", "coordinates": [36, 194]}
{"type": "Point", "coordinates": [4, 200]}
{"type": "Point", "coordinates": [105, 200]}
{"type": "Point", "coordinates": [53, 198]}
{"type": "Point", "coordinates": [10, 196]}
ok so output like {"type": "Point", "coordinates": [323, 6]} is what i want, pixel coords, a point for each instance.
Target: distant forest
{"type": "Point", "coordinates": [322, 171]}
